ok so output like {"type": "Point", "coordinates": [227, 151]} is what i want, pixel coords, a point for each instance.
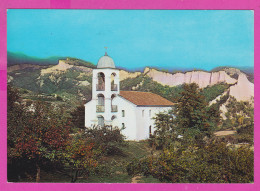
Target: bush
{"type": "Point", "coordinates": [109, 139]}
{"type": "Point", "coordinates": [213, 163]}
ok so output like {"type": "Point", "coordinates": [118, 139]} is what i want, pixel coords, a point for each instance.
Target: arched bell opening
{"type": "Point", "coordinates": [113, 85]}
{"type": "Point", "coordinates": [101, 81]}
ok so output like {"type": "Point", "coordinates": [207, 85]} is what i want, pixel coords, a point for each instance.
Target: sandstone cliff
{"type": "Point", "coordinates": [61, 66]}
{"type": "Point", "coordinates": [203, 79]}
{"type": "Point", "coordinates": [243, 90]}
{"type": "Point", "coordinates": [124, 74]}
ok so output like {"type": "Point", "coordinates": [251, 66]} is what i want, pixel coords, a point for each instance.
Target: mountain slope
{"type": "Point", "coordinates": [20, 58]}
{"type": "Point", "coordinates": [71, 80]}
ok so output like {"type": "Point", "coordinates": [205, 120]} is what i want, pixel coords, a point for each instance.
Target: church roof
{"type": "Point", "coordinates": [106, 62]}
{"type": "Point", "coordinates": [145, 98]}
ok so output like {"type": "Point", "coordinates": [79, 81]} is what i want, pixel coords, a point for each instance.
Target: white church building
{"type": "Point", "coordinates": [131, 110]}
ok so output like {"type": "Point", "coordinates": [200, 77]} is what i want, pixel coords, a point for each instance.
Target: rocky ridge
{"type": "Point", "coordinates": [203, 79]}
{"type": "Point", "coordinates": [240, 87]}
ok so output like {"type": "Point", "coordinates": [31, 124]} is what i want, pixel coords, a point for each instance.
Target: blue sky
{"type": "Point", "coordinates": [136, 38]}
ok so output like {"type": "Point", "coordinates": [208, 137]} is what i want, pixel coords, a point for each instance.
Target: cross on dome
{"type": "Point", "coordinates": [106, 61]}
{"type": "Point", "coordinates": [106, 50]}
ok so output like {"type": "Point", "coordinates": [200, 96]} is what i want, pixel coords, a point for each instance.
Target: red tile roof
{"type": "Point", "coordinates": [145, 98]}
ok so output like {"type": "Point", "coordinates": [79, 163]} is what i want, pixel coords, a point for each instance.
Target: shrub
{"type": "Point", "coordinates": [109, 139]}
{"type": "Point", "coordinates": [213, 163]}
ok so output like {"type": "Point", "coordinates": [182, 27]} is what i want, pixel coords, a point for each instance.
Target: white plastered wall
{"type": "Point", "coordinates": [129, 119]}
{"type": "Point", "coordinates": [145, 120]}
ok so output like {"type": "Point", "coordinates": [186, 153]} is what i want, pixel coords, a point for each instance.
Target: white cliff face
{"type": "Point", "coordinates": [61, 66]}
{"type": "Point", "coordinates": [243, 90]}
{"type": "Point", "coordinates": [203, 79]}
{"type": "Point", "coordinates": [124, 74]}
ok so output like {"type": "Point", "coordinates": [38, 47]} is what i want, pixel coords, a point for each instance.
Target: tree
{"type": "Point", "coordinates": [81, 157]}
{"type": "Point", "coordinates": [109, 139]}
{"type": "Point", "coordinates": [191, 108]}
{"type": "Point", "coordinates": [78, 117]}
{"type": "Point", "coordinates": [36, 134]}
{"type": "Point", "coordinates": [191, 117]}
{"type": "Point", "coordinates": [165, 133]}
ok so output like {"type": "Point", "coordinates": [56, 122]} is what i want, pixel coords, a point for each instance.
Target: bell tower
{"type": "Point", "coordinates": [105, 87]}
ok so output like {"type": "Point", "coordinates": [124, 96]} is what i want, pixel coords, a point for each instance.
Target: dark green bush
{"type": "Point", "coordinates": [213, 163]}
{"type": "Point", "coordinates": [109, 139]}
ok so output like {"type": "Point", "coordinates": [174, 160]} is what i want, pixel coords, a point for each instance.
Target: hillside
{"type": "Point", "coordinates": [20, 58]}
{"type": "Point", "coordinates": [68, 82]}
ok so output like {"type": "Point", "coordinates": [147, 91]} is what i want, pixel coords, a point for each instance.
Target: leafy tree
{"type": "Point", "coordinates": [43, 137]}
{"type": "Point", "coordinates": [109, 140]}
{"type": "Point", "coordinates": [78, 117]}
{"type": "Point", "coordinates": [191, 118]}
{"type": "Point", "coordinates": [36, 134]}
{"type": "Point", "coordinates": [81, 157]}
{"type": "Point", "coordinates": [164, 134]}
{"type": "Point", "coordinates": [191, 109]}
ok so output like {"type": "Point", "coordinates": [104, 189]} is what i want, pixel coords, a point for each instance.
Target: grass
{"type": "Point", "coordinates": [118, 164]}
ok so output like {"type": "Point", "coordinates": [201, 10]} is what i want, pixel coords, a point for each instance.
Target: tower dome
{"type": "Point", "coordinates": [106, 62]}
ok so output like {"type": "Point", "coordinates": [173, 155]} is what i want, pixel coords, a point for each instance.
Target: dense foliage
{"type": "Point", "coordinates": [187, 151]}
{"type": "Point", "coordinates": [38, 138]}
{"type": "Point", "coordinates": [78, 117]}
{"type": "Point", "coordinates": [240, 117]}
{"type": "Point", "coordinates": [81, 157]}
{"type": "Point", "coordinates": [211, 92]}
{"type": "Point", "coordinates": [37, 133]}
{"type": "Point", "coordinates": [109, 140]}
{"type": "Point", "coordinates": [190, 152]}
{"type": "Point", "coordinates": [146, 84]}
{"type": "Point", "coordinates": [213, 163]}
{"type": "Point", "coordinates": [191, 118]}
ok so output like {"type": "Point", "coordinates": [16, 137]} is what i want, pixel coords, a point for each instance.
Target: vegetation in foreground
{"type": "Point", "coordinates": [54, 148]}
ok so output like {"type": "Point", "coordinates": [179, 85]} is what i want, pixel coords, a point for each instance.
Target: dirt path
{"type": "Point", "coordinates": [224, 133]}
{"type": "Point", "coordinates": [135, 179]}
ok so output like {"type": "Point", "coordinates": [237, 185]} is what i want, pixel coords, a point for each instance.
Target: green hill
{"type": "Point", "coordinates": [16, 58]}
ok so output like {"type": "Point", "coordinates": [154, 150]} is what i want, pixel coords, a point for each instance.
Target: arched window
{"type": "Point", "coordinates": [113, 107]}
{"type": "Point", "coordinates": [101, 81]}
{"type": "Point", "coordinates": [101, 121]}
{"type": "Point", "coordinates": [113, 85]}
{"type": "Point", "coordinates": [150, 131]}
